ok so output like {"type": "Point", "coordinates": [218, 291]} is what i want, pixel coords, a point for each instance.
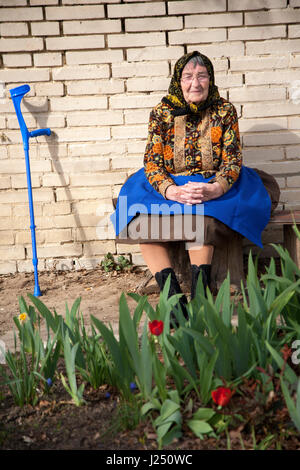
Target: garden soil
{"type": "Point", "coordinates": [104, 423]}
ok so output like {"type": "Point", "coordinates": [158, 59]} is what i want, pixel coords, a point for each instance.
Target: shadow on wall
{"type": "Point", "coordinates": [276, 151]}
{"type": "Point", "coordinates": [52, 142]}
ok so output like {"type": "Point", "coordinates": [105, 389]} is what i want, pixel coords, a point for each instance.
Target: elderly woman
{"type": "Point", "coordinates": [193, 166]}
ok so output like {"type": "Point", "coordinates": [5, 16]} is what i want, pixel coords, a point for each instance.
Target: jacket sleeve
{"type": "Point", "coordinates": [231, 163]}
{"type": "Point", "coordinates": [155, 170]}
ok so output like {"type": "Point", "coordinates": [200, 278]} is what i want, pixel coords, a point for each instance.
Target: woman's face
{"type": "Point", "coordinates": [194, 83]}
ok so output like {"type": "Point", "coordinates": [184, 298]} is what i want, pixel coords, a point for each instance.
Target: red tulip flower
{"type": "Point", "coordinates": [221, 396]}
{"type": "Point", "coordinates": [156, 327]}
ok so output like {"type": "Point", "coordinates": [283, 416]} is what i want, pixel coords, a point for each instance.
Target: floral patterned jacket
{"type": "Point", "coordinates": [210, 145]}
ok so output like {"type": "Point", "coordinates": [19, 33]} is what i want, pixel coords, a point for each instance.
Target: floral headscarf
{"type": "Point", "coordinates": [175, 96]}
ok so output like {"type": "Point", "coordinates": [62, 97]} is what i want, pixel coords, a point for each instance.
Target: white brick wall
{"type": "Point", "coordinates": [96, 68]}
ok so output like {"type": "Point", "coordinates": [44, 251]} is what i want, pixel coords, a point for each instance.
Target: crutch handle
{"type": "Point", "coordinates": [46, 131]}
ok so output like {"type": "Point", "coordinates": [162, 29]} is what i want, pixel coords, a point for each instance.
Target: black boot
{"type": "Point", "coordinates": [205, 271]}
{"type": "Point", "coordinates": [175, 288]}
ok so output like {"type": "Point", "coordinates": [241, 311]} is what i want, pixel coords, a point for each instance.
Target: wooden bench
{"type": "Point", "coordinates": [230, 255]}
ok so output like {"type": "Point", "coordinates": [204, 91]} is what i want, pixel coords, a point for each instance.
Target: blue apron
{"type": "Point", "coordinates": [245, 208]}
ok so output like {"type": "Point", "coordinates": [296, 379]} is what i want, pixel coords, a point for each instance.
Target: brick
{"type": "Point", "coordinates": [45, 28]}
{"type": "Point", "coordinates": [289, 15]}
{"type": "Point", "coordinates": [160, 24]}
{"type": "Point", "coordinates": [293, 182]}
{"type": "Point", "coordinates": [12, 253]}
{"type": "Point", "coordinates": [147, 84]}
{"type": "Point", "coordinates": [259, 63]}
{"type": "Point", "coordinates": [294, 123]}
{"type": "Point", "coordinates": [6, 238]}
{"type": "Point", "coordinates": [53, 251]}
{"type": "Point", "coordinates": [294, 31]}
{"type": "Point", "coordinates": [68, 103]}
{"type": "Point", "coordinates": [59, 264]}
{"type": "Point", "coordinates": [95, 87]}
{"type": "Point", "coordinates": [24, 14]}
{"type": "Point", "coordinates": [27, 266]}
{"type": "Point", "coordinates": [280, 168]}
{"type": "Point", "coordinates": [273, 138]}
{"type": "Point", "coordinates": [86, 263]}
{"type": "Point", "coordinates": [136, 146]}
{"type": "Point", "coordinates": [9, 29]}
{"type": "Point", "coordinates": [93, 57]}
{"type": "Point", "coordinates": [17, 60]}
{"type": "Point", "coordinates": [80, 73]}
{"type": "Point", "coordinates": [293, 152]}
{"type": "Point", "coordinates": [134, 101]}
{"type": "Point", "coordinates": [246, 93]}
{"type": "Point", "coordinates": [127, 69]}
{"type": "Point", "coordinates": [280, 76]}
{"type": "Point", "coordinates": [213, 21]}
{"type": "Point", "coordinates": [75, 42]}
{"type": "Point", "coordinates": [262, 155]}
{"type": "Point", "coordinates": [57, 208]}
{"type": "Point", "coordinates": [73, 2]}
{"type": "Point", "coordinates": [295, 3]}
{"type": "Point", "coordinates": [229, 81]}
{"type": "Point", "coordinates": [3, 151]}
{"type": "Point", "coordinates": [5, 182]}
{"type": "Point", "coordinates": [144, 9]}
{"type": "Point", "coordinates": [136, 39]}
{"type": "Point", "coordinates": [21, 210]}
{"type": "Point", "coordinates": [259, 32]}
{"type": "Point", "coordinates": [263, 125]}
{"type": "Point", "coordinates": [81, 165]}
{"type": "Point", "coordinates": [92, 27]}
{"type": "Point", "coordinates": [189, 7]}
{"type": "Point", "coordinates": [222, 49]}
{"type": "Point", "coordinates": [127, 162]}
{"type": "Point", "coordinates": [15, 166]}
{"type": "Point", "coordinates": [47, 59]}
{"type": "Point", "coordinates": [97, 179]}
{"type": "Point", "coordinates": [129, 132]}
{"type": "Point", "coordinates": [100, 149]}
{"type": "Point", "coordinates": [82, 193]}
{"type": "Point", "coordinates": [60, 236]}
{"type": "Point", "coordinates": [44, 2]}
{"type": "Point", "coordinates": [21, 44]}
{"type": "Point", "coordinates": [137, 258]}
{"type": "Point", "coordinates": [256, 4]}
{"type": "Point", "coordinates": [93, 118]}
{"type": "Point", "coordinates": [83, 134]}
{"type": "Point", "coordinates": [9, 267]}
{"type": "Point", "coordinates": [12, 122]}
{"type": "Point", "coordinates": [98, 248]}
{"type": "Point", "coordinates": [81, 207]}
{"type": "Point", "coordinates": [74, 12]}
{"type": "Point", "coordinates": [55, 180]}
{"type": "Point", "coordinates": [5, 210]}
{"type": "Point", "coordinates": [136, 116]}
{"type": "Point", "coordinates": [13, 3]}
{"type": "Point", "coordinates": [49, 89]}
{"type": "Point", "coordinates": [39, 195]}
{"type": "Point", "coordinates": [281, 46]}
{"type": "Point", "coordinates": [86, 234]}
{"type": "Point", "coordinates": [27, 75]}
{"type": "Point", "coordinates": [291, 195]}
{"type": "Point", "coordinates": [269, 109]}
{"type": "Point", "coordinates": [20, 181]}
{"type": "Point", "coordinates": [199, 35]}
{"type": "Point", "coordinates": [154, 53]}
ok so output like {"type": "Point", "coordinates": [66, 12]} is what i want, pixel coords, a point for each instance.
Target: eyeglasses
{"type": "Point", "coordinates": [201, 77]}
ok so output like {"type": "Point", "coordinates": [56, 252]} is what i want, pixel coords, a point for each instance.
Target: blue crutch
{"type": "Point", "coordinates": [17, 95]}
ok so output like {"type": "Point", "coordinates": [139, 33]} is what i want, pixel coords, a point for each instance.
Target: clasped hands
{"type": "Point", "coordinates": [194, 193]}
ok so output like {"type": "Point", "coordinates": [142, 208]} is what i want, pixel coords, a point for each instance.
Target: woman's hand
{"type": "Point", "coordinates": [194, 193]}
